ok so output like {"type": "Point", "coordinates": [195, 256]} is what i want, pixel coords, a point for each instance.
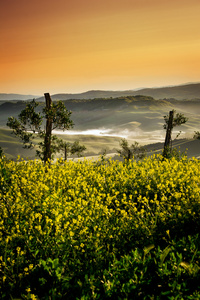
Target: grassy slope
{"type": "Point", "coordinates": [140, 117]}
{"type": "Point", "coordinates": [94, 144]}
{"type": "Point", "coordinates": [13, 147]}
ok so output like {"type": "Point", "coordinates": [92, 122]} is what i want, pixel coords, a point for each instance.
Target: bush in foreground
{"type": "Point", "coordinates": [85, 230]}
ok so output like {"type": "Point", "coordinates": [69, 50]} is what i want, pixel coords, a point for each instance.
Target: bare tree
{"type": "Point", "coordinates": [171, 121]}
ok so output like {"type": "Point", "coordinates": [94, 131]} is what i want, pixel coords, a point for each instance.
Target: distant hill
{"type": "Point", "coordinates": [10, 97]}
{"type": "Point", "coordinates": [100, 123]}
{"type": "Point", "coordinates": [89, 95]}
{"type": "Point", "coordinates": [132, 113]}
{"type": "Point", "coordinates": [180, 92]}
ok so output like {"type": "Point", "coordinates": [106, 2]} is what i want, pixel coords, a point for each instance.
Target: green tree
{"type": "Point", "coordinates": [172, 120]}
{"type": "Point", "coordinates": [29, 125]}
{"type": "Point", "coordinates": [178, 119]}
{"type": "Point", "coordinates": [70, 148]}
{"type": "Point", "coordinates": [134, 151]}
{"type": "Point", "coordinates": [196, 135]}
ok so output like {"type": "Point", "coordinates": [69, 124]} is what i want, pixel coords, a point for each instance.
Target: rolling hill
{"type": "Point", "coordinates": [179, 92]}
{"type": "Point", "coordinates": [101, 122]}
{"type": "Point", "coordinates": [10, 97]}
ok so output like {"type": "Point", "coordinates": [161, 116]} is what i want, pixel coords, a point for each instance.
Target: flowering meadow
{"type": "Point", "coordinates": [100, 230]}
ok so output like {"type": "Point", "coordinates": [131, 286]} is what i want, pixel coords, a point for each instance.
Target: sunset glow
{"type": "Point", "coordinates": [61, 46]}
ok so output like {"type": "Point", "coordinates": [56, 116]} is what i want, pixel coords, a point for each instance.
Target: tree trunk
{"type": "Point", "coordinates": [47, 138]}
{"type": "Point", "coordinates": [168, 133]}
{"type": "Point", "coordinates": [65, 152]}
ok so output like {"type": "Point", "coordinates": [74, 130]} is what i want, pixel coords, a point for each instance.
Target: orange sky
{"type": "Point", "coordinates": [72, 46]}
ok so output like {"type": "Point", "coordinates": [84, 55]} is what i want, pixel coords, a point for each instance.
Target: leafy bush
{"type": "Point", "coordinates": [83, 230]}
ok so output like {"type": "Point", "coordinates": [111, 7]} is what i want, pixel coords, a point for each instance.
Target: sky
{"type": "Point", "coordinates": [72, 46]}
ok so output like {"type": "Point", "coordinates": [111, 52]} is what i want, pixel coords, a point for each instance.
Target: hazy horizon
{"type": "Point", "coordinates": [85, 91]}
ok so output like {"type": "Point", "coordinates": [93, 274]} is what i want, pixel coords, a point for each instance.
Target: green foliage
{"type": "Point", "coordinates": [178, 120]}
{"type": "Point", "coordinates": [42, 146]}
{"type": "Point", "coordinates": [28, 123]}
{"type": "Point", "coordinates": [59, 115]}
{"type": "Point", "coordinates": [76, 148]}
{"type": "Point", "coordinates": [70, 148]}
{"type": "Point", "coordinates": [134, 151]}
{"type": "Point", "coordinates": [172, 121]}
{"type": "Point", "coordinates": [173, 152]}
{"type": "Point", "coordinates": [28, 127]}
{"type": "Point", "coordinates": [197, 135]}
{"type": "Point", "coordinates": [82, 230]}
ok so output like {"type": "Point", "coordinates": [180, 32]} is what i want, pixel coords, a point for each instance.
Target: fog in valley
{"type": "Point", "coordinates": [101, 123]}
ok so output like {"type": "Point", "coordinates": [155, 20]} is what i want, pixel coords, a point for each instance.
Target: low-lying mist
{"type": "Point", "coordinates": [138, 135]}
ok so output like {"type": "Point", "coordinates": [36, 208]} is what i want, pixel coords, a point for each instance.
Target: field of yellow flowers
{"type": "Point", "coordinates": [100, 230]}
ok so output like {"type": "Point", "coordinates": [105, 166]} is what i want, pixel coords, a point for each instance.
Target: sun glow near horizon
{"type": "Point", "coordinates": [77, 45]}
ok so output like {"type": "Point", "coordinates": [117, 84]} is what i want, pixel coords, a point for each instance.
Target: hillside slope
{"type": "Point", "coordinates": [180, 92]}
{"type": "Point", "coordinates": [10, 97]}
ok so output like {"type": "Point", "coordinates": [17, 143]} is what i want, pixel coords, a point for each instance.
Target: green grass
{"type": "Point", "coordinates": [12, 146]}
{"type": "Point", "coordinates": [115, 114]}
{"type": "Point", "coordinates": [95, 145]}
